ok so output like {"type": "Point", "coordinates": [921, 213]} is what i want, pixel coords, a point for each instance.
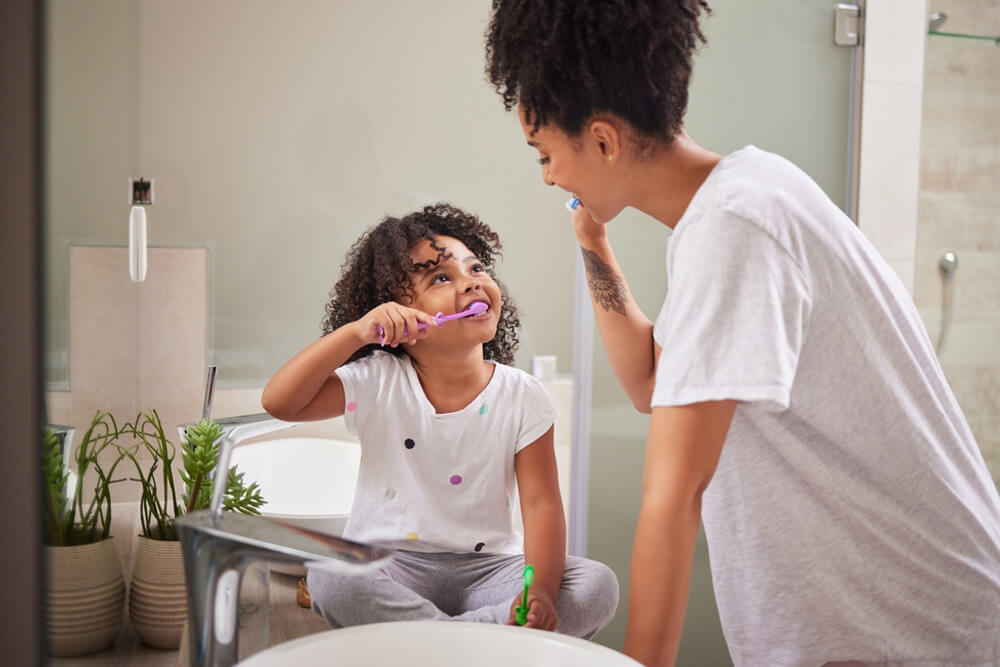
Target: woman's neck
{"type": "Point", "coordinates": [452, 382]}
{"type": "Point", "coordinates": [664, 185]}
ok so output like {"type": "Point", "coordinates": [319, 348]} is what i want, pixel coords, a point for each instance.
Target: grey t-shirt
{"type": "Point", "coordinates": [851, 516]}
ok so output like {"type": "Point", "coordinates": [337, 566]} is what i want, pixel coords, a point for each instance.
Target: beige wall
{"type": "Point", "coordinates": [890, 129]}
{"type": "Point", "coordinates": [275, 134]}
{"type": "Point", "coordinates": [960, 211]}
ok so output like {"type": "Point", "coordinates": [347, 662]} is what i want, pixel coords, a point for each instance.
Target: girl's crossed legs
{"type": "Point", "coordinates": [461, 587]}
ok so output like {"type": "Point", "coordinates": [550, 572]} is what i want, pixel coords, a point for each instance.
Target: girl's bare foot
{"type": "Point", "coordinates": [302, 595]}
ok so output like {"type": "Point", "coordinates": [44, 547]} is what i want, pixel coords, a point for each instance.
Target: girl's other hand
{"type": "Point", "coordinates": [541, 611]}
{"type": "Point", "coordinates": [399, 323]}
{"type": "Point", "coordinates": [584, 226]}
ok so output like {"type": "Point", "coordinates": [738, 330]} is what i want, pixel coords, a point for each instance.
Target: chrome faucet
{"type": "Point", "coordinates": [217, 551]}
{"type": "Point", "coordinates": [218, 547]}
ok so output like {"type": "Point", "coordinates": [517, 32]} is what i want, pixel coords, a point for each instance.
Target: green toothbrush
{"type": "Point", "coordinates": [522, 609]}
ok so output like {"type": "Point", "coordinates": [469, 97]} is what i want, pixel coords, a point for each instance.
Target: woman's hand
{"type": "Point", "coordinates": [585, 228]}
{"type": "Point", "coordinates": [398, 322]}
{"type": "Point", "coordinates": [541, 611]}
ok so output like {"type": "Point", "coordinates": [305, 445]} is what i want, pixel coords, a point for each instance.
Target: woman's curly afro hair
{"type": "Point", "coordinates": [378, 268]}
{"type": "Point", "coordinates": [564, 61]}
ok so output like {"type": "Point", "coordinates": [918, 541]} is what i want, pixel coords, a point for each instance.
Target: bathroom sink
{"type": "Point", "coordinates": [437, 644]}
{"type": "Point", "coordinates": [307, 482]}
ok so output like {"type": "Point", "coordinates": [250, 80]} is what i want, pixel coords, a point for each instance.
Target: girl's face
{"type": "Point", "coordinates": [578, 166]}
{"type": "Point", "coordinates": [457, 281]}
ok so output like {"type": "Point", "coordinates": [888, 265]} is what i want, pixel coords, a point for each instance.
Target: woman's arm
{"type": "Point", "coordinates": [544, 527]}
{"type": "Point", "coordinates": [682, 452]}
{"type": "Point", "coordinates": [306, 388]}
{"type": "Point", "coordinates": [626, 332]}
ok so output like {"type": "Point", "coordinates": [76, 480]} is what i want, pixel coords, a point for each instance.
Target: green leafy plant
{"type": "Point", "coordinates": [158, 504]}
{"type": "Point", "coordinates": [68, 520]}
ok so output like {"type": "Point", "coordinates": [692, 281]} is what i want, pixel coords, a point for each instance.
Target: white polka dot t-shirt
{"type": "Point", "coordinates": [438, 482]}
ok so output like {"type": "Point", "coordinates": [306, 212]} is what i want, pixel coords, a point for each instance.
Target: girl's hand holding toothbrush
{"type": "Point", "coordinates": [397, 323]}
{"type": "Point", "coordinates": [541, 611]}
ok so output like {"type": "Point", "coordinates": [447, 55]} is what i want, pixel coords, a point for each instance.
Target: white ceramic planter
{"type": "Point", "coordinates": [84, 599]}
{"type": "Point", "coordinates": [157, 604]}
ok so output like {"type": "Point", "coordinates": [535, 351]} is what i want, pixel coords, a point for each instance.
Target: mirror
{"type": "Point", "coordinates": [273, 135]}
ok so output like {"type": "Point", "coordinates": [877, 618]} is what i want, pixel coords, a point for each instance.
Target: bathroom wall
{"type": "Point", "coordinates": [893, 42]}
{"type": "Point", "coordinates": [89, 148]}
{"type": "Point", "coordinates": [959, 210]}
{"type": "Point", "coordinates": [274, 136]}
{"type": "Point", "coordinates": [135, 345]}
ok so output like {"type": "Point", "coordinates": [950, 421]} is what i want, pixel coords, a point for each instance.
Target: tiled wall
{"type": "Point", "coordinates": [134, 345]}
{"type": "Point", "coordinates": [890, 129]}
{"type": "Point", "coordinates": [959, 210]}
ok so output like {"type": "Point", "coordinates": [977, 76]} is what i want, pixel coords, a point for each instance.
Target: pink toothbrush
{"type": "Point", "coordinates": [475, 309]}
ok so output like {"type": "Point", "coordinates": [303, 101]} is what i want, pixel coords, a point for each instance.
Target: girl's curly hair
{"type": "Point", "coordinates": [567, 60]}
{"type": "Point", "coordinates": [378, 268]}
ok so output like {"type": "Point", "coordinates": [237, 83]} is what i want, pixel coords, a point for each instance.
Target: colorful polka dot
{"type": "Point", "coordinates": [352, 406]}
{"type": "Point", "coordinates": [479, 547]}
{"type": "Point", "coordinates": [409, 444]}
{"type": "Point", "coordinates": [390, 494]}
{"type": "Point", "coordinates": [456, 479]}
{"type": "Point", "coordinates": [484, 409]}
{"type": "Point", "coordinates": [413, 537]}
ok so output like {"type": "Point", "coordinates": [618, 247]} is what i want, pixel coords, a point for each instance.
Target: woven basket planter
{"type": "Point", "coordinates": [84, 599]}
{"type": "Point", "coordinates": [157, 603]}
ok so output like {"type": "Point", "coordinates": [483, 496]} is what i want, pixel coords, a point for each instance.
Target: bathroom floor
{"type": "Point", "coordinates": [287, 621]}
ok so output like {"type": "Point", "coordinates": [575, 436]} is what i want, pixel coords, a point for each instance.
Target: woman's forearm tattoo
{"type": "Point", "coordinates": [607, 286]}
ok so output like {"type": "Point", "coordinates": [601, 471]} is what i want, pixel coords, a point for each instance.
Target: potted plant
{"type": "Point", "coordinates": [86, 588]}
{"type": "Point", "coordinates": [157, 597]}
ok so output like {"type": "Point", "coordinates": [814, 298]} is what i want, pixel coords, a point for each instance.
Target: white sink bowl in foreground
{"type": "Point", "coordinates": [437, 644]}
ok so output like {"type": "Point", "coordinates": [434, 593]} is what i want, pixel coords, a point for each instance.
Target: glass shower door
{"type": "Point", "coordinates": [958, 294]}
{"type": "Point", "coordinates": [770, 75]}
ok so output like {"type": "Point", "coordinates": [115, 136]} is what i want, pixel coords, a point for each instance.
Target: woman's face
{"type": "Point", "coordinates": [577, 165]}
{"type": "Point", "coordinates": [454, 283]}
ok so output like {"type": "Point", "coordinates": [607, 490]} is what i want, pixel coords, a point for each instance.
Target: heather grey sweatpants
{"type": "Point", "coordinates": [461, 587]}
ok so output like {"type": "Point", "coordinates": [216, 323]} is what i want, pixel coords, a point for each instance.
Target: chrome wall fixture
{"type": "Point", "coordinates": [140, 195]}
{"type": "Point", "coordinates": [947, 265]}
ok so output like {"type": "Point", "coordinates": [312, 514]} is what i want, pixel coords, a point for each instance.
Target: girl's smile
{"type": "Point", "coordinates": [448, 279]}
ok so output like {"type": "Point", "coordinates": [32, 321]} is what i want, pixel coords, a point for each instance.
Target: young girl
{"type": "Point", "coordinates": [446, 429]}
{"type": "Point", "coordinates": [797, 405]}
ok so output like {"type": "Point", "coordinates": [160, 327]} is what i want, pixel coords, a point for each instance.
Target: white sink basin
{"type": "Point", "coordinates": [308, 482]}
{"type": "Point", "coordinates": [437, 644]}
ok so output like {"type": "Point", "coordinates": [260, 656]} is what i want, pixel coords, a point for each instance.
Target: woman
{"type": "Point", "coordinates": [797, 405]}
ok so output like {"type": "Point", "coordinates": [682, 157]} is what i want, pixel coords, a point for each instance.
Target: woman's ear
{"type": "Point", "coordinates": [606, 137]}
